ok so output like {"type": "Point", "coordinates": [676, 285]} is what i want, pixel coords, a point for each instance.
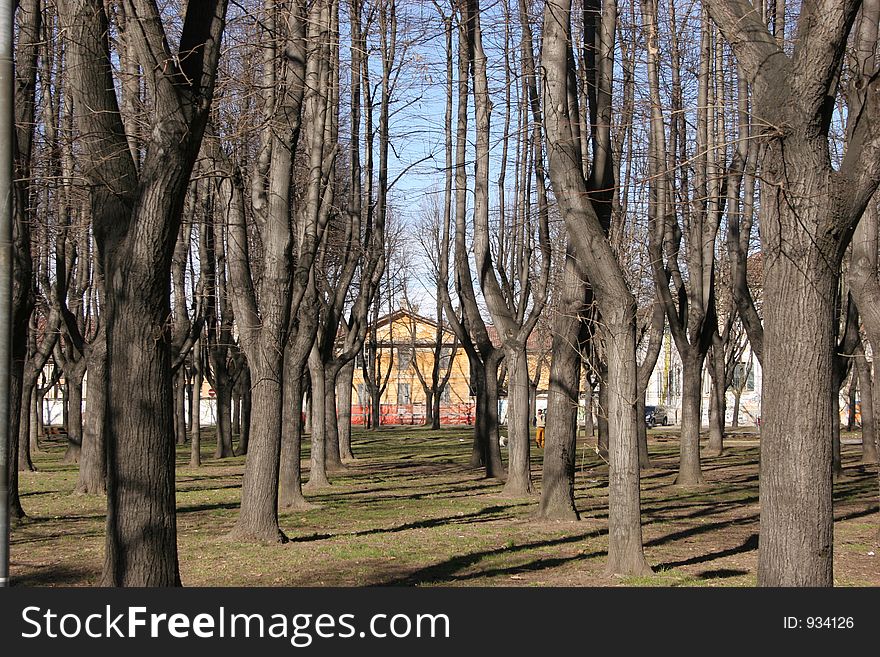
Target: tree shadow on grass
{"type": "Point", "coordinates": [56, 575]}
{"type": "Point", "coordinates": [749, 545]}
{"type": "Point", "coordinates": [722, 573]}
{"type": "Point", "coordinates": [484, 515]}
{"type": "Point", "coordinates": [445, 571]}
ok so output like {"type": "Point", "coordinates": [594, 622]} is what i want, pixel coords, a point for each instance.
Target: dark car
{"type": "Point", "coordinates": [655, 415]}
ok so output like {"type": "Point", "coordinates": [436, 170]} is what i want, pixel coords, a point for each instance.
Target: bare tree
{"type": "Point", "coordinates": [615, 301]}
{"type": "Point", "coordinates": [136, 211]}
{"type": "Point", "coordinates": [809, 208]}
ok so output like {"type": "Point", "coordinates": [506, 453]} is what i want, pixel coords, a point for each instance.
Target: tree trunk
{"type": "Point", "coordinates": [717, 402]}
{"type": "Point", "coordinates": [290, 494]}
{"type": "Point", "coordinates": [737, 396]}
{"type": "Point", "coordinates": [602, 415]}
{"type": "Point", "coordinates": [195, 415]}
{"type": "Point", "coordinates": [247, 401]}
{"type": "Point", "coordinates": [223, 395]}
{"type": "Point", "coordinates": [25, 463]}
{"type": "Point", "coordinates": [689, 471]}
{"type": "Point", "coordinates": [519, 478]}
{"type": "Point", "coordinates": [836, 464]}
{"type": "Point", "coordinates": [317, 457]}
{"type": "Point", "coordinates": [625, 553]}
{"type": "Point", "coordinates": [796, 448]}
{"type": "Point", "coordinates": [92, 478]}
{"type": "Point", "coordinates": [560, 446]}
{"type": "Point", "coordinates": [35, 426]}
{"type": "Point", "coordinates": [429, 408]}
{"type": "Point", "coordinates": [343, 401]}
{"type": "Point", "coordinates": [644, 457]}
{"type": "Point", "coordinates": [590, 428]}
{"type": "Point", "coordinates": [435, 409]}
{"type": "Point", "coordinates": [375, 407]}
{"type": "Point", "coordinates": [258, 519]}
{"type": "Point", "coordinates": [180, 407]}
{"type": "Point", "coordinates": [236, 414]}
{"type": "Point", "coordinates": [74, 420]}
{"type": "Point", "coordinates": [141, 520]}
{"type": "Point", "coordinates": [40, 415]}
{"type": "Point", "coordinates": [332, 455]}
{"type": "Point", "coordinates": [16, 512]}
{"type": "Point", "coordinates": [866, 389]}
{"type": "Point", "coordinates": [486, 423]}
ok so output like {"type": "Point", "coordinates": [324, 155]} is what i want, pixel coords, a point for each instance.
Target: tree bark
{"type": "Point", "coordinates": [25, 463]}
{"type": "Point", "coordinates": [519, 477]}
{"type": "Point", "coordinates": [866, 389]}
{"type": "Point", "coordinates": [258, 518]}
{"type": "Point", "coordinates": [689, 471]}
{"type": "Point", "coordinates": [317, 455]}
{"type": "Point", "coordinates": [796, 449]}
{"type": "Point", "coordinates": [195, 452]}
{"type": "Point", "coordinates": [343, 402]}
{"type": "Point", "coordinates": [560, 447]}
{"type": "Point", "coordinates": [718, 401]}
{"type": "Point", "coordinates": [92, 478]}
{"type": "Point", "coordinates": [615, 301]}
{"type": "Point", "coordinates": [602, 416]}
{"type": "Point", "coordinates": [223, 395]}
{"type": "Point", "coordinates": [74, 420]}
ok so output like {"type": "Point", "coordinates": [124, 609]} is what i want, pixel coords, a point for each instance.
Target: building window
{"type": "Point", "coordinates": [403, 397]}
{"type": "Point", "coordinates": [404, 358]}
{"type": "Point", "coordinates": [445, 357]}
{"type": "Point", "coordinates": [363, 398]}
{"type": "Point", "coordinates": [744, 377]}
{"type": "Point", "coordinates": [674, 382]}
{"type": "Point", "coordinates": [446, 395]}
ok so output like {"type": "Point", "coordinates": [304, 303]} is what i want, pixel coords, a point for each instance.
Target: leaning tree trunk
{"type": "Point", "coordinates": [519, 477]}
{"type": "Point", "coordinates": [689, 471]}
{"type": "Point", "coordinates": [92, 478]}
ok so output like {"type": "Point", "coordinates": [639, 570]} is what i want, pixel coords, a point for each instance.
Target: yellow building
{"type": "Point", "coordinates": [405, 348]}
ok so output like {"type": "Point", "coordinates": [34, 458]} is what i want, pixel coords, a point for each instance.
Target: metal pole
{"type": "Point", "coordinates": [7, 93]}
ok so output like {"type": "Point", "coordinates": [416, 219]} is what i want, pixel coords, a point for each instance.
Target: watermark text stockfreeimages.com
{"type": "Point", "coordinates": [299, 629]}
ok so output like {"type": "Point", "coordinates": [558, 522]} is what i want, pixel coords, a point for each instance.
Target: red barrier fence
{"type": "Point", "coordinates": [412, 414]}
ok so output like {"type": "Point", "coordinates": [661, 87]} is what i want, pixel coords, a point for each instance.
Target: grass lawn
{"type": "Point", "coordinates": [411, 512]}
